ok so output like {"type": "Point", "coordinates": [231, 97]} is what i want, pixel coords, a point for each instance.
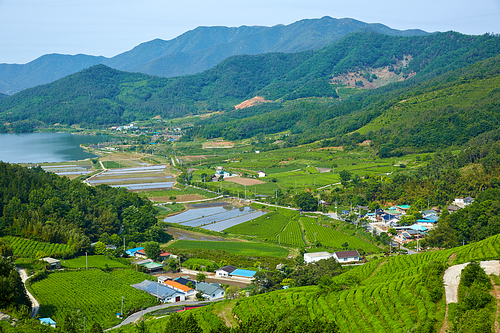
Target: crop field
{"type": "Point", "coordinates": [332, 238]}
{"type": "Point", "coordinates": [238, 248]}
{"type": "Point", "coordinates": [95, 261]}
{"type": "Point", "coordinates": [96, 294]}
{"type": "Point", "coordinates": [134, 178]}
{"type": "Point", "coordinates": [285, 227]}
{"type": "Point", "coordinates": [25, 247]}
{"type": "Point", "coordinates": [264, 227]}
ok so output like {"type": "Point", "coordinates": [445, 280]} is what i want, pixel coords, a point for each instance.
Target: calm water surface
{"type": "Point", "coordinates": [45, 147]}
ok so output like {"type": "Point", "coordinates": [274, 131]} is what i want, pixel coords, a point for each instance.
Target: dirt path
{"type": "Point", "coordinates": [35, 306]}
{"type": "Point", "coordinates": [496, 294]}
{"type": "Point", "coordinates": [451, 280]}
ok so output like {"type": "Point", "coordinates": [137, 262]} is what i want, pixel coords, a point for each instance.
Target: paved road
{"type": "Point", "coordinates": [35, 306]}
{"type": "Point", "coordinates": [136, 316]}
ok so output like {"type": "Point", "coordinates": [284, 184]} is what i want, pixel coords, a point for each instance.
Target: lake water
{"type": "Point", "coordinates": [45, 147]}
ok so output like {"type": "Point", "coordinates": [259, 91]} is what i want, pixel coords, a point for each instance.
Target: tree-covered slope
{"type": "Point", "coordinates": [43, 206]}
{"type": "Point", "coordinates": [104, 96]}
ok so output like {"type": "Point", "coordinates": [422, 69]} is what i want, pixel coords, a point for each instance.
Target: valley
{"type": "Point", "coordinates": [329, 189]}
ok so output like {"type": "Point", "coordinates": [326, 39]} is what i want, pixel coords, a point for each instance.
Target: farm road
{"type": "Point", "coordinates": [452, 278]}
{"type": "Point", "coordinates": [136, 316]}
{"type": "Point", "coordinates": [35, 306]}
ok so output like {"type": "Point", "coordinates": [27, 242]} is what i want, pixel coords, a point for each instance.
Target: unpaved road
{"type": "Point", "coordinates": [452, 277]}
{"type": "Point", "coordinates": [34, 303]}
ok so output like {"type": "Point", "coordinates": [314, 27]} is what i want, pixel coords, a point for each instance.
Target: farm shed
{"type": "Point", "coordinates": [153, 266]}
{"type": "Point", "coordinates": [316, 256]}
{"type": "Point", "coordinates": [261, 174]}
{"type": "Point", "coordinates": [54, 263]}
{"type": "Point", "coordinates": [166, 294]}
{"type": "Point", "coordinates": [225, 271]}
{"type": "Point", "coordinates": [346, 256]}
{"type": "Point", "coordinates": [243, 273]}
{"type": "Point", "coordinates": [48, 321]}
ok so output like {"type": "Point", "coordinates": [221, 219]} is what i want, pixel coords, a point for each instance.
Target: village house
{"type": "Point", "coordinates": [261, 174]}
{"type": "Point", "coordinates": [188, 292]}
{"type": "Point", "coordinates": [346, 256]}
{"type": "Point", "coordinates": [160, 291]}
{"type": "Point", "coordinates": [462, 202]}
{"type": "Point", "coordinates": [210, 290]}
{"type": "Point", "coordinates": [225, 271]}
{"type": "Point", "coordinates": [131, 252]}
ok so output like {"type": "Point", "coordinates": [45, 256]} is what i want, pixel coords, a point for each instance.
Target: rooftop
{"type": "Point", "coordinates": [243, 272]}
{"type": "Point", "coordinates": [318, 254]}
{"type": "Point", "coordinates": [347, 254]}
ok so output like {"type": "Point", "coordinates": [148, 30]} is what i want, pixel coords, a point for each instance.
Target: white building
{"type": "Point", "coordinates": [462, 202]}
{"type": "Point", "coordinates": [261, 174]}
{"type": "Point", "coordinates": [316, 256]}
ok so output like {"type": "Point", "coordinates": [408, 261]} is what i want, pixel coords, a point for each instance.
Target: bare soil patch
{"type": "Point", "coordinates": [244, 181]}
{"type": "Point", "coordinates": [218, 144]}
{"type": "Point", "coordinates": [251, 102]}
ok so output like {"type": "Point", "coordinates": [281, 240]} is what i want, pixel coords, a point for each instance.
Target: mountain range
{"type": "Point", "coordinates": [193, 51]}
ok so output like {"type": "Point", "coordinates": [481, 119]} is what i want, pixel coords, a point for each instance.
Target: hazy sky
{"type": "Point", "coordinates": [31, 28]}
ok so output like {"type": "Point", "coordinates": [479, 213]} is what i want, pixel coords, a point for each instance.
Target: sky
{"type": "Point", "coordinates": [32, 28]}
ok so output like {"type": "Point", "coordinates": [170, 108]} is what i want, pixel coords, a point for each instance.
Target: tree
{"type": "Point", "coordinates": [345, 177]}
{"type": "Point", "coordinates": [96, 328]}
{"type": "Point", "coordinates": [200, 277]}
{"type": "Point", "coordinates": [191, 285]}
{"type": "Point", "coordinates": [152, 250]}
{"type": "Point", "coordinates": [99, 248]}
{"type": "Point", "coordinates": [306, 201]}
{"type": "Point", "coordinates": [233, 292]}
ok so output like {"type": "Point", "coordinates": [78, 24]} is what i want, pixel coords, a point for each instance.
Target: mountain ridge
{"type": "Point", "coordinates": [193, 51]}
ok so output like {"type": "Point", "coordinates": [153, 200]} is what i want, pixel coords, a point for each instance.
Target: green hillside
{"type": "Point", "coordinates": [394, 294]}
{"type": "Point", "coordinates": [102, 96]}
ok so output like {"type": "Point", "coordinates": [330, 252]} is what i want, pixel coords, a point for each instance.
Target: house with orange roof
{"type": "Point", "coordinates": [180, 287]}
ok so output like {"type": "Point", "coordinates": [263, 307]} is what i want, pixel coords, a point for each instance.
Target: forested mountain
{"type": "Point", "coordinates": [103, 96]}
{"type": "Point", "coordinates": [43, 206]}
{"type": "Point", "coordinates": [193, 51]}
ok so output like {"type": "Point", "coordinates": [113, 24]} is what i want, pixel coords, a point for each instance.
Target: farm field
{"type": "Point", "coordinates": [134, 178]}
{"type": "Point", "coordinates": [285, 227]}
{"type": "Point", "coordinates": [328, 236]}
{"type": "Point", "coordinates": [386, 295]}
{"type": "Point", "coordinates": [94, 261]}
{"type": "Point", "coordinates": [95, 293]}
{"type": "Point", "coordinates": [26, 247]}
{"type": "Point", "coordinates": [238, 248]}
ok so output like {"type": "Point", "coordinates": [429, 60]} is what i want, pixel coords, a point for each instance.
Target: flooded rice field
{"type": "Point", "coordinates": [136, 178]}
{"type": "Point", "coordinates": [215, 218]}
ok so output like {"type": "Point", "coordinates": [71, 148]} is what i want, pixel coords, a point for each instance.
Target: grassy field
{"type": "Point", "coordinates": [95, 261]}
{"type": "Point", "coordinates": [238, 248]}
{"type": "Point", "coordinates": [95, 293]}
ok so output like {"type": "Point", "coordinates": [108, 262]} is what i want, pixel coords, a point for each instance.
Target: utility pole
{"type": "Point", "coordinates": [123, 243]}
{"type": "Point", "coordinates": [86, 261]}
{"type": "Point", "coordinates": [121, 313]}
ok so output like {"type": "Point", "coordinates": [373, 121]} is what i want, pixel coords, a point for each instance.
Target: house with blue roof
{"type": "Point", "coordinates": [131, 252]}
